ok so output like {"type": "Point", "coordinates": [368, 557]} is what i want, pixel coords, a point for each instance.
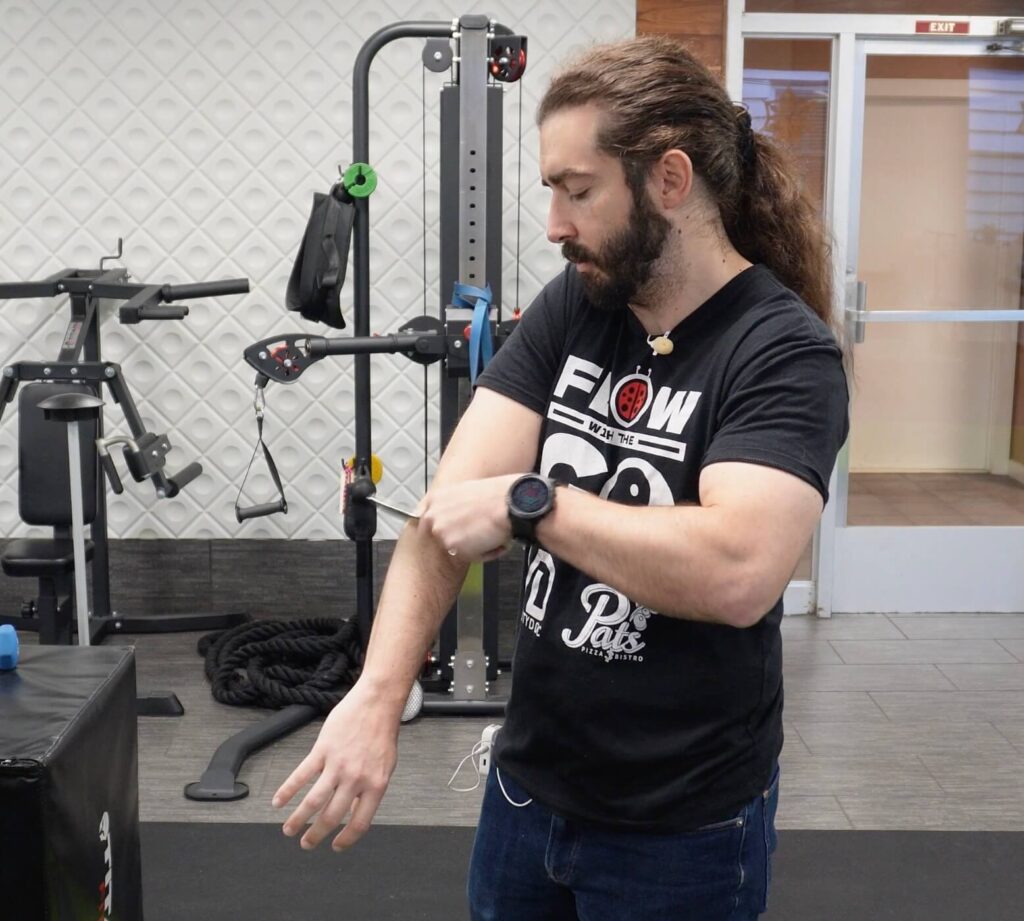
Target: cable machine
{"type": "Point", "coordinates": [462, 339]}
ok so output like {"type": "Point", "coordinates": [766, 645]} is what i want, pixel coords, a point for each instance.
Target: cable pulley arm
{"type": "Point", "coordinates": [387, 344]}
{"type": "Point", "coordinates": [284, 358]}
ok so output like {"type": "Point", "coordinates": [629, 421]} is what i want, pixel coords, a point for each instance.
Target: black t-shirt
{"type": "Point", "coordinates": [619, 715]}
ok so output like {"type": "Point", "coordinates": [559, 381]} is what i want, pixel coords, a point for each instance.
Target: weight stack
{"type": "Point", "coordinates": [69, 789]}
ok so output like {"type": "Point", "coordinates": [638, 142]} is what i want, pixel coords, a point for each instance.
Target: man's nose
{"type": "Point", "coordinates": [559, 229]}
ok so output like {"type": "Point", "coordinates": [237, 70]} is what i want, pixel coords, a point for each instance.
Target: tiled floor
{"type": "Point", "coordinates": [935, 499]}
{"type": "Point", "coordinates": [892, 722]}
{"type": "Point", "coordinates": [902, 499]}
{"type": "Point", "coordinates": [909, 722]}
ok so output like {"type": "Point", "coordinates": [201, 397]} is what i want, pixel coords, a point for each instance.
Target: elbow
{"type": "Point", "coordinates": [747, 598]}
{"type": "Point", "coordinates": [745, 618]}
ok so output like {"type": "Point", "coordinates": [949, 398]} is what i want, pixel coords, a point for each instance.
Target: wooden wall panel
{"type": "Point", "coordinates": [699, 24]}
{"type": "Point", "coordinates": [928, 8]}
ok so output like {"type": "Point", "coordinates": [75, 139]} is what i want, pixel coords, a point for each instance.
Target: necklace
{"type": "Point", "coordinates": [661, 345]}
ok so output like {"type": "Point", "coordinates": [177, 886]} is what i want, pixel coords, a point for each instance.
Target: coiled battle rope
{"type": "Point", "coordinates": [275, 663]}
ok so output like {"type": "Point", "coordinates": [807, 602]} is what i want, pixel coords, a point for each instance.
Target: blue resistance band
{"type": "Point", "coordinates": [481, 348]}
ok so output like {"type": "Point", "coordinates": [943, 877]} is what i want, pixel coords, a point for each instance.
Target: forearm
{"type": "Point", "coordinates": [495, 436]}
{"type": "Point", "coordinates": [421, 584]}
{"type": "Point", "coordinates": [681, 561]}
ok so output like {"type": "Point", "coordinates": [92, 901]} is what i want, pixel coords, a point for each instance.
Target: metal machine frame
{"type": "Point", "coordinates": [471, 187]}
{"type": "Point", "coordinates": [470, 632]}
{"type": "Point", "coordinates": [80, 361]}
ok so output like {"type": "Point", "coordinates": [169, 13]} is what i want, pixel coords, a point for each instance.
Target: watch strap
{"type": "Point", "coordinates": [524, 529]}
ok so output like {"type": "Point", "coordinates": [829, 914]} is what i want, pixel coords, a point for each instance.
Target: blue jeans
{"type": "Point", "coordinates": [531, 865]}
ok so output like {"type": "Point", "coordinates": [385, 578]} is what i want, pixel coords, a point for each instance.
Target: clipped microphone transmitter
{"type": "Point", "coordinates": [480, 757]}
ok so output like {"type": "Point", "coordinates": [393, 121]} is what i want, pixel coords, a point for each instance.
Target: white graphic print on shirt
{"type": "Point", "coordinates": [607, 630]}
{"type": "Point", "coordinates": [593, 412]}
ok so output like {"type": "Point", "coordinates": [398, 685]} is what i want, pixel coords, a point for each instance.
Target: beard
{"type": "Point", "coordinates": [626, 259]}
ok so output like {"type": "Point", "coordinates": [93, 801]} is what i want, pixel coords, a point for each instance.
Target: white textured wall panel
{"type": "Point", "coordinates": [198, 132]}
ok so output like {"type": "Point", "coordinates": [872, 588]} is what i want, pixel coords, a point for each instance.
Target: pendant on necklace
{"type": "Point", "coordinates": [660, 345]}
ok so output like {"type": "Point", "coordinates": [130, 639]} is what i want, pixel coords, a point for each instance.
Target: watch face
{"type": "Point", "coordinates": [531, 496]}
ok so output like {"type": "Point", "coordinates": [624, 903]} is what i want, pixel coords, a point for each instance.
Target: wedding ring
{"type": "Point", "coordinates": [452, 552]}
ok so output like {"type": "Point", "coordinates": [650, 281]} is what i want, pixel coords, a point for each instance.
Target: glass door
{"type": "Point", "coordinates": [787, 85]}
{"type": "Point", "coordinates": [920, 175]}
{"type": "Point", "coordinates": [929, 509]}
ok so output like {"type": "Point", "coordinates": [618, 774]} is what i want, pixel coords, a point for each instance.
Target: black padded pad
{"type": "Point", "coordinates": [44, 493]}
{"type": "Point", "coordinates": [41, 557]}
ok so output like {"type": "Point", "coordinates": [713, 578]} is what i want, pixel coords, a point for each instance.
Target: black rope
{"type": "Point", "coordinates": [275, 663]}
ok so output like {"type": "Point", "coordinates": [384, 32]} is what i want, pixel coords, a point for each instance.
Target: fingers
{"type": "Point", "coordinates": [497, 552]}
{"type": "Point", "coordinates": [326, 804]}
{"type": "Point", "coordinates": [331, 806]}
{"type": "Point", "coordinates": [363, 811]}
{"type": "Point", "coordinates": [320, 795]}
{"type": "Point", "coordinates": [469, 518]}
{"type": "Point", "coordinates": [308, 768]}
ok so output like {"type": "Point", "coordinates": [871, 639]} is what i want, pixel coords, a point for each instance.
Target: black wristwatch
{"type": "Point", "coordinates": [530, 498]}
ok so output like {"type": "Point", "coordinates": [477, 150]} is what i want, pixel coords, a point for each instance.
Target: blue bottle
{"type": "Point", "coordinates": [8, 648]}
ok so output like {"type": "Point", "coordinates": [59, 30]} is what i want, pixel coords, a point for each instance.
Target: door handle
{"type": "Point", "coordinates": [856, 302]}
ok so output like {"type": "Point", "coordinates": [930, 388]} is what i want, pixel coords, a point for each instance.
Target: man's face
{"type": "Point", "coordinates": [614, 234]}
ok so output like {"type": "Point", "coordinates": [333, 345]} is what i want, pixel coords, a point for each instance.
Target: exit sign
{"type": "Point", "coordinates": [943, 27]}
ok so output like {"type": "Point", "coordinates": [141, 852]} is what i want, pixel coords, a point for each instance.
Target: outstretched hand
{"type": "Point", "coordinates": [350, 766]}
{"type": "Point", "coordinates": [351, 763]}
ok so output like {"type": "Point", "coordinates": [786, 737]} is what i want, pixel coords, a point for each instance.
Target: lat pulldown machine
{"type": "Point", "coordinates": [471, 124]}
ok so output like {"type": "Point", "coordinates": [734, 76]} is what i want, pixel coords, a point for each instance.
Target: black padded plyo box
{"type": "Point", "coordinates": [69, 789]}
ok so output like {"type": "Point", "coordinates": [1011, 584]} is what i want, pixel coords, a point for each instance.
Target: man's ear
{"type": "Point", "coordinates": [672, 177]}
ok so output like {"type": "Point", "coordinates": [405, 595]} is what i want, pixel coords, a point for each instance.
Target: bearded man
{"type": "Point", "coordinates": [660, 430]}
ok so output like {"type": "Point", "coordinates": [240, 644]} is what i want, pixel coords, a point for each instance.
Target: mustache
{"type": "Point", "coordinates": [573, 252]}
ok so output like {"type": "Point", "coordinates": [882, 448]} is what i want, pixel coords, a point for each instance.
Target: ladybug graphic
{"type": "Point", "coordinates": [631, 397]}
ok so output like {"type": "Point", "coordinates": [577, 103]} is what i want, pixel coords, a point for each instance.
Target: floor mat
{"type": "Point", "coordinates": [249, 872]}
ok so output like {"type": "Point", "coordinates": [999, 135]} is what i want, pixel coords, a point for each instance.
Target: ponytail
{"type": "Point", "coordinates": [775, 223]}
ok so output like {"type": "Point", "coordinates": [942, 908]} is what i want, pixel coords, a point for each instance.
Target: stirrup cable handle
{"type": "Point", "coordinates": [266, 508]}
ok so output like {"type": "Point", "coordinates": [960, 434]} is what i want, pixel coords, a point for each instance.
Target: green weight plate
{"type": "Point", "coordinates": [360, 180]}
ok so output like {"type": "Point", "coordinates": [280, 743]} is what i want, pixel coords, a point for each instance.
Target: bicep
{"type": "Point", "coordinates": [496, 435]}
{"type": "Point", "coordinates": [768, 514]}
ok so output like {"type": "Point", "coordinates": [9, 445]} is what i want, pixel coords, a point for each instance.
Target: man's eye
{"type": "Point", "coordinates": [579, 196]}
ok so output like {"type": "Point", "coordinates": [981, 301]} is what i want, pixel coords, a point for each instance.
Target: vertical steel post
{"type": "Point", "coordinates": [361, 287]}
